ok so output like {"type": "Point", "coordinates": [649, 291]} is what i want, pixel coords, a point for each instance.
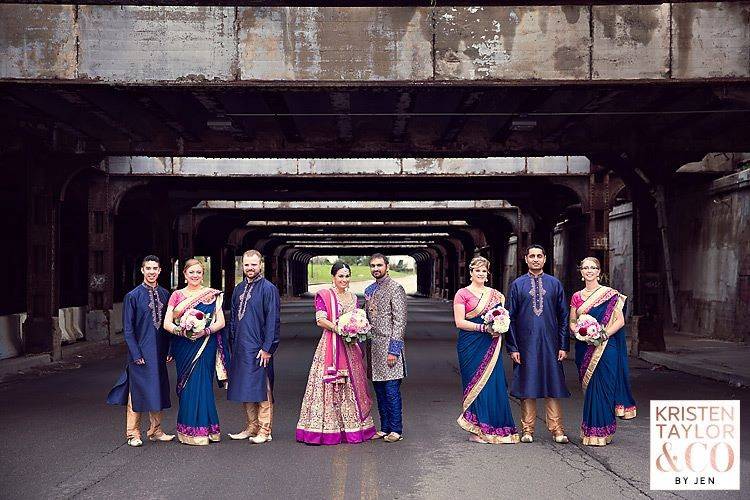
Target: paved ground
{"type": "Point", "coordinates": [705, 357]}
{"type": "Point", "coordinates": [60, 440]}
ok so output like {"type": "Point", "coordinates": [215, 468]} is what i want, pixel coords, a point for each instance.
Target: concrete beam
{"type": "Point", "coordinates": [342, 205]}
{"type": "Point", "coordinates": [516, 43]}
{"type": "Point", "coordinates": [317, 167]}
{"type": "Point", "coordinates": [139, 44]}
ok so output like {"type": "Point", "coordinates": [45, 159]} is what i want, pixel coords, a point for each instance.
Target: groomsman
{"type": "Point", "coordinates": [144, 385]}
{"type": "Point", "coordinates": [538, 342]}
{"type": "Point", "coordinates": [385, 304]}
{"type": "Point", "coordinates": [253, 339]}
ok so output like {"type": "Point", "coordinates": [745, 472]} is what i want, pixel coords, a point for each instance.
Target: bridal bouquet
{"type": "Point", "coordinates": [353, 326]}
{"type": "Point", "coordinates": [589, 330]}
{"type": "Point", "coordinates": [193, 321]}
{"type": "Point", "coordinates": [497, 319]}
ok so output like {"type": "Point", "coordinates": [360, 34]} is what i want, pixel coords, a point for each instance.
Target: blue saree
{"type": "Point", "coordinates": [603, 370]}
{"type": "Point", "coordinates": [197, 362]}
{"type": "Point", "coordinates": [486, 408]}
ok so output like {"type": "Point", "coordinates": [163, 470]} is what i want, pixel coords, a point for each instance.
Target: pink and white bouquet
{"type": "Point", "coordinates": [497, 319]}
{"type": "Point", "coordinates": [194, 321]}
{"type": "Point", "coordinates": [353, 326]}
{"type": "Point", "coordinates": [589, 330]}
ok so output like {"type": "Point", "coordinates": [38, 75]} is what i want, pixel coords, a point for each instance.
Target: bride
{"type": "Point", "coordinates": [336, 406]}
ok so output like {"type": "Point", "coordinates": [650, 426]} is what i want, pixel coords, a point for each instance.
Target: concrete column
{"type": "Point", "coordinates": [525, 225]}
{"type": "Point", "coordinates": [648, 283]}
{"type": "Point", "coordinates": [228, 264]}
{"type": "Point", "coordinates": [217, 257]}
{"type": "Point", "coordinates": [101, 260]}
{"type": "Point", "coordinates": [597, 211]}
{"type": "Point", "coordinates": [184, 242]}
{"type": "Point", "coordinates": [162, 238]}
{"type": "Point", "coordinates": [41, 333]}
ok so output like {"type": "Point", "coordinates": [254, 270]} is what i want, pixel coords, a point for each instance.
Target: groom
{"type": "Point", "coordinates": [385, 304]}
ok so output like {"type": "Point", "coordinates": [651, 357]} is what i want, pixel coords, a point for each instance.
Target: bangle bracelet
{"type": "Point", "coordinates": [177, 330]}
{"type": "Point", "coordinates": [207, 331]}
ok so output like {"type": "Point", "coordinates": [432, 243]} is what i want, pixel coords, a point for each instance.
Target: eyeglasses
{"type": "Point", "coordinates": [589, 268]}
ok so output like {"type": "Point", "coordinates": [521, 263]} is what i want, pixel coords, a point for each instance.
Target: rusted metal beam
{"type": "Point", "coordinates": [280, 109]}
{"type": "Point", "coordinates": [404, 106]}
{"type": "Point", "coordinates": [468, 104]}
{"type": "Point", "coordinates": [341, 104]}
{"type": "Point", "coordinates": [219, 119]}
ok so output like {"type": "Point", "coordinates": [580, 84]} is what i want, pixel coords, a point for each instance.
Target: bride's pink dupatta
{"type": "Point", "coordinates": [339, 366]}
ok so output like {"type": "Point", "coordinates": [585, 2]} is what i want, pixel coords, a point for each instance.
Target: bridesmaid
{"type": "Point", "coordinates": [602, 369]}
{"type": "Point", "coordinates": [199, 357]}
{"type": "Point", "coordinates": [486, 409]}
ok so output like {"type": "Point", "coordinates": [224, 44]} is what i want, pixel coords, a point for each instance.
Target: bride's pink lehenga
{"type": "Point", "coordinates": [336, 406]}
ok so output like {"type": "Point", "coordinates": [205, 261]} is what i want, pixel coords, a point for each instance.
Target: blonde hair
{"type": "Point", "coordinates": [190, 263]}
{"type": "Point", "coordinates": [479, 262]}
{"type": "Point", "coordinates": [592, 259]}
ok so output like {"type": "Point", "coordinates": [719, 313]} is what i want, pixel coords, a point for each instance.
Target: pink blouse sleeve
{"type": "Point", "coordinates": [460, 298]}
{"type": "Point", "coordinates": [320, 304]}
{"type": "Point", "coordinates": [175, 298]}
{"type": "Point", "coordinates": [576, 300]}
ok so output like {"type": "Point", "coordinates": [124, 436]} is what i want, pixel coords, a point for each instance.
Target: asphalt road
{"type": "Point", "coordinates": [61, 440]}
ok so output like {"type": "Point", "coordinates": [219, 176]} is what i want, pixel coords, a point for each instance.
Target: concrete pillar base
{"type": "Point", "coordinates": [42, 335]}
{"type": "Point", "coordinates": [98, 325]}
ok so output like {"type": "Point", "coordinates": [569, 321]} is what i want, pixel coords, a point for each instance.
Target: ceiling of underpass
{"type": "Point", "coordinates": [325, 119]}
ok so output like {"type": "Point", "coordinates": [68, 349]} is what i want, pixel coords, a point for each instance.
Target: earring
{"type": "Point", "coordinates": [583, 279]}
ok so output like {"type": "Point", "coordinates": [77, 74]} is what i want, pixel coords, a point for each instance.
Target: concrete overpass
{"type": "Point", "coordinates": [120, 120]}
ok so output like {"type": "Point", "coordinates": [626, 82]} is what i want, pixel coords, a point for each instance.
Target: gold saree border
{"type": "Point", "coordinates": [474, 392]}
{"type": "Point", "coordinates": [599, 351]}
{"type": "Point", "coordinates": [198, 440]}
{"type": "Point", "coordinates": [475, 429]}
{"type": "Point", "coordinates": [625, 415]}
{"type": "Point", "coordinates": [596, 440]}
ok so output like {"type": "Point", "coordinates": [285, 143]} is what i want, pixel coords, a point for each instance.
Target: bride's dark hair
{"type": "Point", "coordinates": [338, 266]}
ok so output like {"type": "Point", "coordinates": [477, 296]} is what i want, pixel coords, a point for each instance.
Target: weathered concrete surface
{"type": "Point", "coordinates": [716, 162]}
{"type": "Point", "coordinates": [131, 44]}
{"type": "Point", "coordinates": [269, 167]}
{"type": "Point", "coordinates": [621, 250]}
{"type": "Point", "coordinates": [710, 39]}
{"type": "Point", "coordinates": [515, 43]}
{"type": "Point", "coordinates": [710, 237]}
{"type": "Point", "coordinates": [293, 43]}
{"type": "Point", "coordinates": [338, 205]}
{"type": "Point", "coordinates": [630, 41]}
{"type": "Point", "coordinates": [37, 41]}
{"type": "Point", "coordinates": [709, 234]}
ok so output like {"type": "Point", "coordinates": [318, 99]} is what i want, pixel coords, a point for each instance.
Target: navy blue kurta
{"type": "Point", "coordinates": [142, 320]}
{"type": "Point", "coordinates": [254, 325]}
{"type": "Point", "coordinates": [538, 330]}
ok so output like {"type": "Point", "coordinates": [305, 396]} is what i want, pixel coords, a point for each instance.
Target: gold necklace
{"type": "Point", "coordinates": [345, 300]}
{"type": "Point", "coordinates": [586, 294]}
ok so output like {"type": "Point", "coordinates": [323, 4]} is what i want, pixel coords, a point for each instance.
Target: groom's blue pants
{"type": "Point", "coordinates": [388, 394]}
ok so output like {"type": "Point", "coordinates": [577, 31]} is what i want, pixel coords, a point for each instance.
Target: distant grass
{"type": "Point", "coordinates": [321, 273]}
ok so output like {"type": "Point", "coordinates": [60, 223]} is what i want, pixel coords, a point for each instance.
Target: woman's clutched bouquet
{"type": "Point", "coordinates": [193, 322]}
{"type": "Point", "coordinates": [353, 326]}
{"type": "Point", "coordinates": [497, 319]}
{"type": "Point", "coordinates": [589, 330]}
